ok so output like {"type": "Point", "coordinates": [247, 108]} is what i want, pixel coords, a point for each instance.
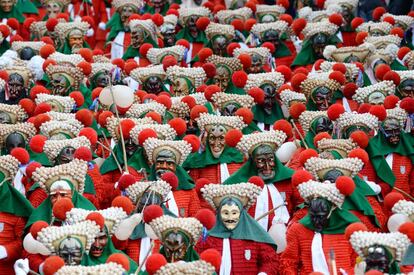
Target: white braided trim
{"type": "Point", "coordinates": [189, 226]}
{"type": "Point", "coordinates": [307, 117]}
{"type": "Point", "coordinates": [64, 104]}
{"type": "Point", "coordinates": [249, 143]}
{"type": "Point", "coordinates": [351, 68]}
{"type": "Point", "coordinates": [141, 74]}
{"type": "Point", "coordinates": [214, 29]}
{"type": "Point", "coordinates": [348, 119]}
{"type": "Point", "coordinates": [195, 75]}
{"type": "Point", "coordinates": [137, 110]}
{"type": "Point", "coordinates": [155, 55]}
{"type": "Point", "coordinates": [226, 16]}
{"type": "Point", "coordinates": [187, 268]}
{"type": "Point", "coordinates": [206, 121]}
{"type": "Point", "coordinates": [26, 129]}
{"type": "Point", "coordinates": [180, 148]}
{"type": "Point", "coordinates": [53, 128]}
{"type": "Point", "coordinates": [164, 131]}
{"type": "Point", "coordinates": [138, 4]}
{"type": "Point", "coordinates": [221, 99]}
{"type": "Point", "coordinates": [404, 207]}
{"type": "Point", "coordinates": [404, 21]}
{"type": "Point", "coordinates": [102, 269]}
{"type": "Point", "coordinates": [9, 166]}
{"type": "Point", "coordinates": [147, 26]}
{"type": "Point", "coordinates": [368, 27]}
{"type": "Point", "coordinates": [233, 64]}
{"type": "Point", "coordinates": [269, 9]}
{"type": "Point", "coordinates": [63, 59]}
{"type": "Point", "coordinates": [349, 166]}
{"type": "Point", "coordinates": [186, 13]}
{"type": "Point", "coordinates": [257, 80]}
{"type": "Point", "coordinates": [34, 45]}
{"type": "Point", "coordinates": [319, 27]}
{"type": "Point", "coordinates": [61, 116]}
{"type": "Point", "coordinates": [136, 190]}
{"type": "Point", "coordinates": [288, 96]}
{"type": "Point", "coordinates": [385, 87]}
{"type": "Point", "coordinates": [101, 67]}
{"type": "Point", "coordinates": [345, 145]}
{"type": "Point", "coordinates": [263, 52]}
{"type": "Point", "coordinates": [314, 189]}
{"type": "Point", "coordinates": [259, 29]}
{"type": "Point", "coordinates": [399, 114]}
{"type": "Point", "coordinates": [112, 124]}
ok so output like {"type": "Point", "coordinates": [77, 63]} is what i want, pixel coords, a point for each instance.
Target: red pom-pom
{"type": "Point", "coordinates": [4, 75]}
{"type": "Point", "coordinates": [146, 16]}
{"type": "Point", "coordinates": [209, 5]}
{"type": "Point", "coordinates": [78, 97]}
{"type": "Point", "coordinates": [338, 77]}
{"type": "Point", "coordinates": [97, 52]}
{"type": "Point", "coordinates": [356, 22]}
{"type": "Point", "coordinates": [298, 25]}
{"type": "Point", "coordinates": [152, 212]}
{"type": "Point", "coordinates": [402, 52]}
{"type": "Point", "coordinates": [27, 105]}
{"type": "Point", "coordinates": [119, 62]}
{"type": "Point", "coordinates": [209, 69]}
{"type": "Point", "coordinates": [307, 154]}
{"type": "Point", "coordinates": [97, 218]}
{"type": "Point", "coordinates": [15, 38]}
{"type": "Point", "coordinates": [336, 19]}
{"type": "Point", "coordinates": [46, 51]}
{"type": "Point", "coordinates": [52, 264]}
{"type": "Point", "coordinates": [231, 47]}
{"type": "Point", "coordinates": [47, 40]}
{"type": "Point", "coordinates": [173, 11]}
{"type": "Point", "coordinates": [183, 43]}
{"type": "Point", "coordinates": [345, 185]}
{"type": "Point", "coordinates": [378, 111]}
{"type": "Point", "coordinates": [389, 19]}
{"type": "Point", "coordinates": [83, 153]}
{"type": "Point", "coordinates": [210, 91]}
{"type": "Point", "coordinates": [340, 67]}
{"type": "Point", "coordinates": [257, 94]}
{"type": "Point", "coordinates": [256, 180]}
{"type": "Point", "coordinates": [86, 54]}
{"type": "Point", "coordinates": [391, 101]}
{"type": "Point", "coordinates": [154, 263]}
{"type": "Point", "coordinates": [190, 101]}
{"type": "Point", "coordinates": [335, 111]}
{"type": "Point", "coordinates": [206, 217]}
{"type": "Point", "coordinates": [238, 24]}
{"type": "Point", "coordinates": [21, 155]}
{"type": "Point", "coordinates": [47, 63]}
{"type": "Point", "coordinates": [103, 117]}
{"type": "Point", "coordinates": [51, 24]}
{"type": "Point", "coordinates": [61, 207]}
{"type": "Point", "coordinates": [233, 137]}
{"type": "Point", "coordinates": [360, 154]}
{"type": "Point", "coordinates": [197, 110]}
{"type": "Point", "coordinates": [63, 16]}
{"type": "Point", "coordinates": [360, 37]}
{"type": "Point", "coordinates": [211, 256]}
{"type": "Point", "coordinates": [200, 183]}
{"type": "Point", "coordinates": [360, 138]}
{"type": "Point", "coordinates": [287, 18]}
{"type": "Point", "coordinates": [248, 24]}
{"type": "Point", "coordinates": [296, 110]}
{"type": "Point", "coordinates": [171, 179]}
{"type": "Point", "coordinates": [37, 227]}
{"type": "Point", "coordinates": [169, 61]}
{"type": "Point", "coordinates": [284, 126]}
{"type": "Point", "coordinates": [143, 50]}
{"type": "Point", "coordinates": [392, 76]}
{"type": "Point", "coordinates": [301, 176]}
{"type": "Point", "coordinates": [246, 114]}
{"type": "Point", "coordinates": [284, 3]}
{"type": "Point", "coordinates": [42, 108]}
{"type": "Point", "coordinates": [158, 19]}
{"type": "Point", "coordinates": [297, 80]}
{"type": "Point", "coordinates": [318, 63]}
{"type": "Point", "coordinates": [381, 70]}
{"type": "Point", "coordinates": [407, 228]}
{"type": "Point", "coordinates": [179, 125]}
{"type": "Point", "coordinates": [319, 137]}
{"type": "Point", "coordinates": [239, 79]}
{"type": "Point", "coordinates": [164, 100]}
{"type": "Point", "coordinates": [218, 8]}
{"type": "Point", "coordinates": [246, 61]}
{"type": "Point", "coordinates": [85, 67]}
{"type": "Point", "coordinates": [201, 88]}
{"type": "Point", "coordinates": [204, 53]}
{"type": "Point", "coordinates": [125, 181]}
{"type": "Point", "coordinates": [377, 13]}
{"type": "Point", "coordinates": [120, 259]}
{"type": "Point", "coordinates": [36, 143]}
{"type": "Point", "coordinates": [392, 198]}
{"type": "Point", "coordinates": [96, 92]}
{"type": "Point", "coordinates": [130, 66]}
{"type": "Point", "coordinates": [284, 87]}
{"type": "Point", "coordinates": [364, 108]}
{"type": "Point", "coordinates": [354, 227]}
{"type": "Point", "coordinates": [5, 31]}
{"type": "Point", "coordinates": [126, 126]}
{"type": "Point", "coordinates": [202, 23]}
{"type": "Point", "coordinates": [40, 119]}
{"type": "Point", "coordinates": [251, 5]}
{"type": "Point", "coordinates": [407, 104]}
{"type": "Point", "coordinates": [285, 71]}
{"type": "Point", "coordinates": [85, 116]}
{"type": "Point", "coordinates": [270, 46]}
{"type": "Point", "coordinates": [398, 32]}
{"type": "Point", "coordinates": [26, 24]}
{"type": "Point", "coordinates": [193, 141]}
{"type": "Point", "coordinates": [31, 168]}
{"type": "Point", "coordinates": [349, 90]}
{"type": "Point", "coordinates": [123, 202]}
{"type": "Point", "coordinates": [154, 116]}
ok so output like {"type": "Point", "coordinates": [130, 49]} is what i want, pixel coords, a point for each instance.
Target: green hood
{"type": "Point", "coordinates": [12, 201]}
{"type": "Point", "coordinates": [14, 13]}
{"type": "Point", "coordinates": [306, 56]}
{"type": "Point", "coordinates": [137, 161]}
{"type": "Point", "coordinates": [261, 116]}
{"type": "Point", "coordinates": [184, 33]}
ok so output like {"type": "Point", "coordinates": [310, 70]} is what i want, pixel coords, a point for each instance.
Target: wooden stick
{"type": "Point", "coordinates": [332, 261]}
{"type": "Point", "coordinates": [300, 135]}
{"type": "Point", "coordinates": [270, 211]}
{"type": "Point", "coordinates": [404, 193]}
{"type": "Point", "coordinates": [113, 154]}
{"type": "Point", "coordinates": [20, 265]}
{"type": "Point", "coordinates": [145, 259]}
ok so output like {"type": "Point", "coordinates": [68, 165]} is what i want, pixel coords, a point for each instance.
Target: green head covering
{"type": "Point", "coordinates": [184, 33]}
{"type": "Point", "coordinates": [185, 182]}
{"type": "Point", "coordinates": [246, 229]}
{"type": "Point", "coordinates": [14, 13]}
{"type": "Point", "coordinates": [12, 201]}
{"type": "Point", "coordinates": [261, 116]}
{"type": "Point", "coordinates": [136, 161]}
{"type": "Point", "coordinates": [306, 56]}
{"type": "Point", "coordinates": [190, 255]}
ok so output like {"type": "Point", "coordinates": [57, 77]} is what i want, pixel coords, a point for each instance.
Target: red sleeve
{"type": "Point", "coordinates": [14, 248]}
{"type": "Point", "coordinates": [37, 197]}
{"type": "Point", "coordinates": [35, 260]}
{"type": "Point", "coordinates": [121, 245]}
{"type": "Point", "coordinates": [98, 183]}
{"type": "Point", "coordinates": [411, 181]}
{"type": "Point", "coordinates": [289, 259]}
{"type": "Point", "coordinates": [194, 204]}
{"type": "Point", "coordinates": [268, 259]}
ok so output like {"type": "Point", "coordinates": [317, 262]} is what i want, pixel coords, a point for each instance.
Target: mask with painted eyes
{"type": "Point", "coordinates": [168, 34]}
{"type": "Point", "coordinates": [130, 147]}
{"type": "Point", "coordinates": [230, 109]}
{"type": "Point", "coordinates": [125, 12]}
{"type": "Point", "coordinates": [256, 66]}
{"type": "Point", "coordinates": [406, 88]}
{"type": "Point", "coordinates": [347, 14]}
{"type": "Point", "coordinates": [319, 42]}
{"type": "Point", "coordinates": [181, 86]}
{"type": "Point", "coordinates": [265, 161]}
{"type": "Point", "coordinates": [377, 259]}
{"type": "Point", "coordinates": [70, 250]}
{"type": "Point", "coordinates": [66, 155]}
{"type": "Point", "coordinates": [191, 24]}
{"type": "Point", "coordinates": [392, 131]}
{"type": "Point", "coordinates": [16, 87]}
{"type": "Point", "coordinates": [53, 9]}
{"type": "Point", "coordinates": [270, 93]}
{"type": "Point", "coordinates": [175, 246]}
{"type": "Point", "coordinates": [322, 97]}
{"type": "Point", "coordinates": [268, 18]}
{"type": "Point", "coordinates": [322, 124]}
{"type": "Point", "coordinates": [332, 175]}
{"type": "Point", "coordinates": [216, 140]}
{"type": "Point", "coordinates": [137, 37]}
{"type": "Point", "coordinates": [272, 36]}
{"type": "Point", "coordinates": [158, 5]}
{"type": "Point", "coordinates": [319, 210]}
{"type": "Point", "coordinates": [99, 245]}
{"type": "Point", "coordinates": [153, 85]}
{"type": "Point", "coordinates": [5, 118]}
{"type": "Point", "coordinates": [219, 45]}
{"type": "Point", "coordinates": [14, 140]}
{"type": "Point", "coordinates": [102, 79]}
{"type": "Point", "coordinates": [352, 58]}
{"type": "Point", "coordinates": [230, 214]}
{"type": "Point", "coordinates": [59, 85]}
{"type": "Point", "coordinates": [376, 98]}
{"type": "Point", "coordinates": [348, 132]}
{"type": "Point", "coordinates": [76, 40]}
{"type": "Point", "coordinates": [222, 78]}
{"type": "Point", "coordinates": [165, 162]}
{"type": "Point", "coordinates": [148, 198]}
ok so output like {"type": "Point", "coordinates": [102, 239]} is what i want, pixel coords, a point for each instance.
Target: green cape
{"type": "Point", "coordinates": [247, 228]}
{"type": "Point", "coordinates": [185, 182]}
{"type": "Point", "coordinates": [378, 147]}
{"type": "Point", "coordinates": [206, 158]}
{"type": "Point", "coordinates": [115, 25]}
{"type": "Point", "coordinates": [338, 221]}
{"type": "Point", "coordinates": [5, 45]}
{"type": "Point", "coordinates": [306, 56]}
{"type": "Point", "coordinates": [184, 33]}
{"type": "Point", "coordinates": [282, 50]}
{"type": "Point", "coordinates": [14, 13]}
{"type": "Point", "coordinates": [137, 161]}
{"type": "Point", "coordinates": [249, 169]}
{"type": "Point", "coordinates": [151, 10]}
{"type": "Point", "coordinates": [397, 66]}
{"type": "Point", "coordinates": [132, 52]}
{"type": "Point", "coordinates": [409, 256]}
{"type": "Point", "coordinates": [26, 6]}
{"type": "Point", "coordinates": [67, 49]}
{"type": "Point", "coordinates": [261, 116]}
{"type": "Point", "coordinates": [12, 201]}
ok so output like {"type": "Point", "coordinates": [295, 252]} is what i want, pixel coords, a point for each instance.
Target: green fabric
{"type": "Point", "coordinates": [67, 49]}
{"type": "Point", "coordinates": [26, 6]}
{"type": "Point", "coordinates": [185, 182]}
{"type": "Point", "coordinates": [190, 256]}
{"type": "Point", "coordinates": [206, 158]}
{"type": "Point", "coordinates": [184, 33]}
{"type": "Point", "coordinates": [5, 45]}
{"type": "Point", "coordinates": [338, 221]}
{"type": "Point", "coordinates": [282, 50]}
{"type": "Point", "coordinates": [366, 79]}
{"type": "Point", "coordinates": [309, 140]}
{"type": "Point", "coordinates": [151, 10]}
{"type": "Point", "coordinates": [249, 169]}
{"type": "Point", "coordinates": [14, 13]}
{"type": "Point", "coordinates": [397, 66]}
{"type": "Point", "coordinates": [89, 260]}
{"type": "Point", "coordinates": [261, 116]}
{"type": "Point", "coordinates": [12, 201]}
{"type": "Point", "coordinates": [311, 106]}
{"type": "Point", "coordinates": [89, 186]}
{"type": "Point", "coordinates": [39, 157]}
{"type": "Point", "coordinates": [251, 128]}
{"type": "Point", "coordinates": [409, 256]}
{"type": "Point", "coordinates": [137, 161]}
{"type": "Point", "coordinates": [44, 211]}
{"type": "Point", "coordinates": [306, 56]}
{"type": "Point", "coordinates": [134, 52]}
{"type": "Point", "coordinates": [115, 25]}
{"type": "Point", "coordinates": [378, 147]}
{"type": "Point", "coordinates": [247, 228]}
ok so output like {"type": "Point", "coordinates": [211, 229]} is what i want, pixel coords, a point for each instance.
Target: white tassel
{"type": "Point", "coordinates": [127, 226]}
{"type": "Point", "coordinates": [34, 247]}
